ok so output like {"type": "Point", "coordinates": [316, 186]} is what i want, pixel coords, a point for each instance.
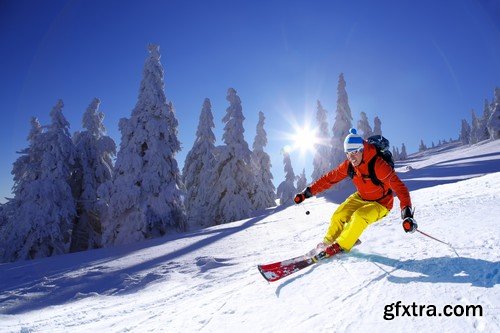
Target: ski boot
{"type": "Point", "coordinates": [329, 251]}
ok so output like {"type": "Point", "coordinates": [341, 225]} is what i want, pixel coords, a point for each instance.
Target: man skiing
{"type": "Point", "coordinates": [371, 202]}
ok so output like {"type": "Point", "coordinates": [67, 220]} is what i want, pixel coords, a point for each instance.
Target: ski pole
{"type": "Point", "coordinates": [306, 210]}
{"type": "Point", "coordinates": [423, 233]}
{"type": "Point", "coordinates": [299, 203]}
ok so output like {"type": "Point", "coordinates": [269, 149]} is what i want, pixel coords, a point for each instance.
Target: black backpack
{"type": "Point", "coordinates": [382, 146]}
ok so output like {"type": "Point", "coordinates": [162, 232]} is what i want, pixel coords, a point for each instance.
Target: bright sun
{"type": "Point", "coordinates": [305, 139]}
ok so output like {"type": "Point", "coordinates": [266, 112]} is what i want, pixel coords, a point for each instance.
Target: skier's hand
{"type": "Point", "coordinates": [409, 225]}
{"type": "Point", "coordinates": [299, 197]}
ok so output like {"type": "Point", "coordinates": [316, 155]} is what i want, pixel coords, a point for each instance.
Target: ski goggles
{"type": "Point", "coordinates": [353, 152]}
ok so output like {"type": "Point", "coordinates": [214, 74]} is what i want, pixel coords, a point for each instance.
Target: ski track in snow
{"type": "Point", "coordinates": [207, 281]}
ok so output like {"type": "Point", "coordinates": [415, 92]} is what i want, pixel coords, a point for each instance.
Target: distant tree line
{"type": "Point", "coordinates": [481, 128]}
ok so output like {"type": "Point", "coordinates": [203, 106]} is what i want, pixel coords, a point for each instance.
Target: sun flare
{"type": "Point", "coordinates": [305, 139]}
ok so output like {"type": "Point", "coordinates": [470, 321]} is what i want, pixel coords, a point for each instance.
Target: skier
{"type": "Point", "coordinates": [370, 203]}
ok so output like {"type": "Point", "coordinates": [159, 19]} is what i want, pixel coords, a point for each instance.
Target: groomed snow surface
{"type": "Point", "coordinates": [207, 280]}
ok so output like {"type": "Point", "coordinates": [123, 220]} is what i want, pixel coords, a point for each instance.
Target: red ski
{"type": "Point", "coordinates": [278, 270]}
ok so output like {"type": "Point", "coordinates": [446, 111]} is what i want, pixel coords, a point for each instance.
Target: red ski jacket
{"type": "Point", "coordinates": [366, 189]}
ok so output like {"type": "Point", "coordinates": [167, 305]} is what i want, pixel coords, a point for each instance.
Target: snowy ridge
{"type": "Point", "coordinates": [207, 281]}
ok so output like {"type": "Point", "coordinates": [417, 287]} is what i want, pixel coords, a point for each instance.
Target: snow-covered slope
{"type": "Point", "coordinates": [207, 280]}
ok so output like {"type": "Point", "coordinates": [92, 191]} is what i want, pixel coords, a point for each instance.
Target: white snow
{"type": "Point", "coordinates": [207, 280]}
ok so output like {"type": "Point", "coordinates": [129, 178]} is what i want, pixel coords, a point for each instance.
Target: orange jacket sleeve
{"type": "Point", "coordinates": [390, 179]}
{"type": "Point", "coordinates": [329, 179]}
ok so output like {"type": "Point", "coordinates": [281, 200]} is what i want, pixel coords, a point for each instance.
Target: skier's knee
{"type": "Point", "coordinates": [340, 217]}
{"type": "Point", "coordinates": [360, 218]}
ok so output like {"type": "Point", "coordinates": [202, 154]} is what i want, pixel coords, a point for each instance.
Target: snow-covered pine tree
{"type": "Point", "coordinates": [377, 126]}
{"type": "Point", "coordinates": [364, 126]}
{"type": "Point", "coordinates": [487, 110]}
{"type": "Point", "coordinates": [286, 190]}
{"type": "Point", "coordinates": [45, 208]}
{"type": "Point", "coordinates": [493, 123]}
{"type": "Point", "coordinates": [465, 132]}
{"type": "Point", "coordinates": [6, 212]}
{"type": "Point", "coordinates": [264, 191]}
{"type": "Point", "coordinates": [403, 155]}
{"type": "Point", "coordinates": [422, 146]}
{"type": "Point", "coordinates": [342, 124]}
{"type": "Point", "coordinates": [233, 190]}
{"type": "Point", "coordinates": [198, 170]}
{"type": "Point", "coordinates": [302, 181]}
{"type": "Point", "coordinates": [395, 153]}
{"type": "Point", "coordinates": [27, 167]}
{"type": "Point", "coordinates": [475, 128]}
{"type": "Point", "coordinates": [144, 198]}
{"type": "Point", "coordinates": [95, 151]}
{"type": "Point", "coordinates": [322, 160]}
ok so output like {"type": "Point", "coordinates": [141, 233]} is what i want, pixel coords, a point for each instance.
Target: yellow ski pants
{"type": "Point", "coordinates": [350, 220]}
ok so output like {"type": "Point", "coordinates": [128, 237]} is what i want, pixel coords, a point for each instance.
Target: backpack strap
{"type": "Point", "coordinates": [372, 173]}
{"type": "Point", "coordinates": [374, 178]}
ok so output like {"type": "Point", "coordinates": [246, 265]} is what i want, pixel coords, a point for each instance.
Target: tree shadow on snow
{"type": "Point", "coordinates": [477, 272]}
{"type": "Point", "coordinates": [29, 286]}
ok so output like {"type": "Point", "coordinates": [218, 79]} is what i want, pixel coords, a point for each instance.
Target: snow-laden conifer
{"type": "Point", "coordinates": [342, 124]}
{"type": "Point", "coordinates": [144, 198]}
{"type": "Point", "coordinates": [364, 126]}
{"type": "Point", "coordinates": [6, 212]}
{"type": "Point", "coordinates": [45, 207]}
{"type": "Point", "coordinates": [27, 167]}
{"type": "Point", "coordinates": [395, 153]}
{"type": "Point", "coordinates": [403, 155]}
{"type": "Point", "coordinates": [377, 126]}
{"type": "Point", "coordinates": [475, 132]}
{"type": "Point", "coordinates": [232, 194]}
{"type": "Point", "coordinates": [487, 110]}
{"type": "Point", "coordinates": [493, 123]}
{"type": "Point", "coordinates": [198, 171]}
{"type": "Point", "coordinates": [287, 190]}
{"type": "Point", "coordinates": [465, 132]}
{"type": "Point", "coordinates": [95, 151]}
{"type": "Point", "coordinates": [302, 181]}
{"type": "Point", "coordinates": [322, 155]}
{"type": "Point", "coordinates": [264, 191]}
{"type": "Point", "coordinates": [422, 146]}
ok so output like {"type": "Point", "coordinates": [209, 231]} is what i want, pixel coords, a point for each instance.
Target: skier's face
{"type": "Point", "coordinates": [355, 157]}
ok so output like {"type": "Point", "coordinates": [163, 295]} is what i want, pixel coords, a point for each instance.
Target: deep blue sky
{"type": "Point", "coordinates": [421, 66]}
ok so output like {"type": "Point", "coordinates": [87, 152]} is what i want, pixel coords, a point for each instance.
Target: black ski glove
{"type": "Point", "coordinates": [406, 212]}
{"type": "Point", "coordinates": [299, 197]}
{"type": "Point", "coordinates": [409, 224]}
